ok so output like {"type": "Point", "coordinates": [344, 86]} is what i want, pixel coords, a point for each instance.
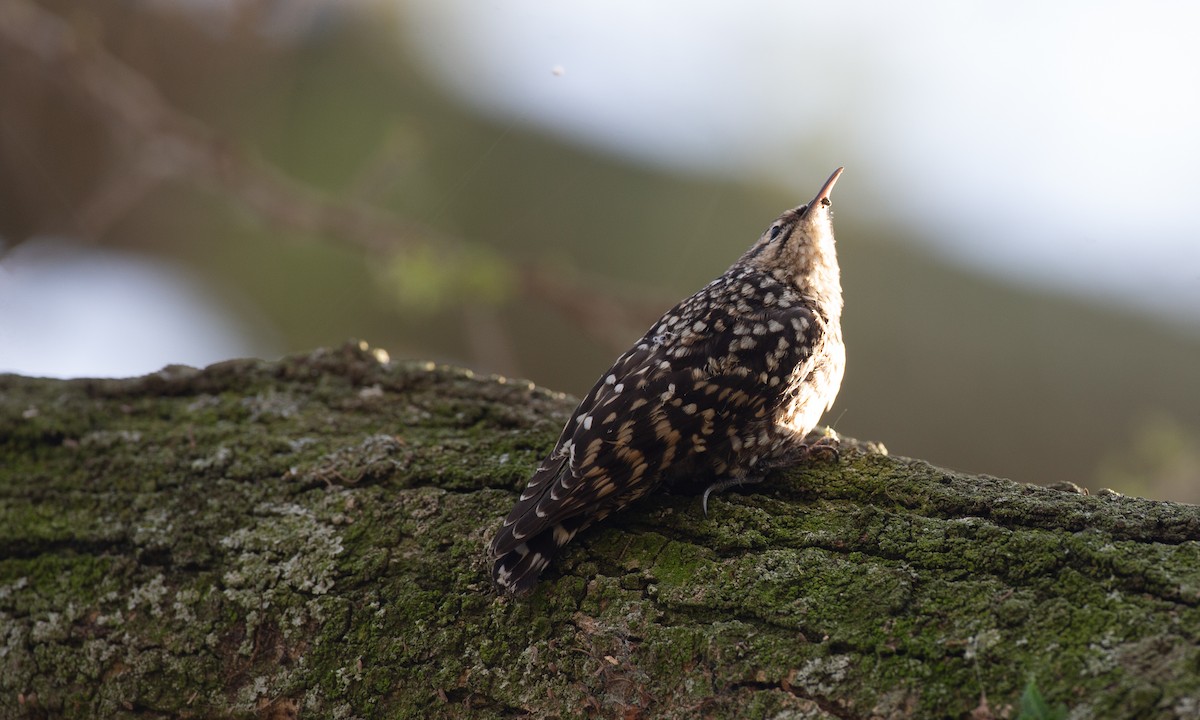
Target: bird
{"type": "Point", "coordinates": [724, 387]}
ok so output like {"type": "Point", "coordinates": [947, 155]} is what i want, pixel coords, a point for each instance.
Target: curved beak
{"type": "Point", "coordinates": [822, 197]}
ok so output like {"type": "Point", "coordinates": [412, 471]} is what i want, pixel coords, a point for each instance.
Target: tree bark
{"type": "Point", "coordinates": [307, 538]}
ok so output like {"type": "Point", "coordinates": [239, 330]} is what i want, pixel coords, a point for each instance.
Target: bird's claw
{"type": "Point", "coordinates": [722, 485]}
{"type": "Point", "coordinates": [826, 448]}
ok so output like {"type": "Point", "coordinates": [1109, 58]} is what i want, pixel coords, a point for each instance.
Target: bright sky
{"type": "Point", "coordinates": [1052, 143]}
{"type": "Point", "coordinates": [69, 311]}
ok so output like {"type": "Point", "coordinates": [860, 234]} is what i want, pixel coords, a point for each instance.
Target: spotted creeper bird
{"type": "Point", "coordinates": [721, 389]}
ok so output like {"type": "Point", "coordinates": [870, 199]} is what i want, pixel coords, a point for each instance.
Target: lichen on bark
{"type": "Point", "coordinates": [306, 537]}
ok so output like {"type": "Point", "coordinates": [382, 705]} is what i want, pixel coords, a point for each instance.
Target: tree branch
{"type": "Point", "coordinates": [307, 536]}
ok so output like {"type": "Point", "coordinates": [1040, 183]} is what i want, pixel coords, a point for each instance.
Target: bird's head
{"type": "Point", "coordinates": [798, 248]}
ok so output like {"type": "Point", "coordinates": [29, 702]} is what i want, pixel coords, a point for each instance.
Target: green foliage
{"type": "Point", "coordinates": [1034, 706]}
{"type": "Point", "coordinates": [426, 279]}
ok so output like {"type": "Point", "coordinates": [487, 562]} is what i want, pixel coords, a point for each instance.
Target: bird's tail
{"type": "Point", "coordinates": [517, 570]}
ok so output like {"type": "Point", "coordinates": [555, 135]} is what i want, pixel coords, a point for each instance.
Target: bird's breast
{"type": "Point", "coordinates": [814, 385]}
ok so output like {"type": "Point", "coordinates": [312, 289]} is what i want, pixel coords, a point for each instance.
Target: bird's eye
{"type": "Point", "coordinates": [775, 230]}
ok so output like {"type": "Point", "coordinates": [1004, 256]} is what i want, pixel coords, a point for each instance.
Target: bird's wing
{"type": "Point", "coordinates": [662, 403]}
{"type": "Point", "coordinates": [549, 495]}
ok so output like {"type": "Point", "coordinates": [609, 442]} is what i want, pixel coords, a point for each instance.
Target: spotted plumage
{"type": "Point", "coordinates": [723, 387]}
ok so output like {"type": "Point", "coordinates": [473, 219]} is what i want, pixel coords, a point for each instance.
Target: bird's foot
{"type": "Point", "coordinates": [821, 446]}
{"type": "Point", "coordinates": [826, 448]}
{"type": "Point", "coordinates": [724, 484]}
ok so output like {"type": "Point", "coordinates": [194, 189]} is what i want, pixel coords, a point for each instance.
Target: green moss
{"type": "Point", "coordinates": [225, 541]}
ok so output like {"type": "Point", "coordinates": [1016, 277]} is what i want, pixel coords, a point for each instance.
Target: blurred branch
{"type": "Point", "coordinates": [172, 144]}
{"type": "Point", "coordinates": [607, 318]}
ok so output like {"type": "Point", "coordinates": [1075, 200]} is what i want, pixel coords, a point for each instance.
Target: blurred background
{"type": "Point", "coordinates": [523, 186]}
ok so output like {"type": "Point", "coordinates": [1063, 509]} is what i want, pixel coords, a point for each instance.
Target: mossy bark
{"type": "Point", "coordinates": [306, 537]}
